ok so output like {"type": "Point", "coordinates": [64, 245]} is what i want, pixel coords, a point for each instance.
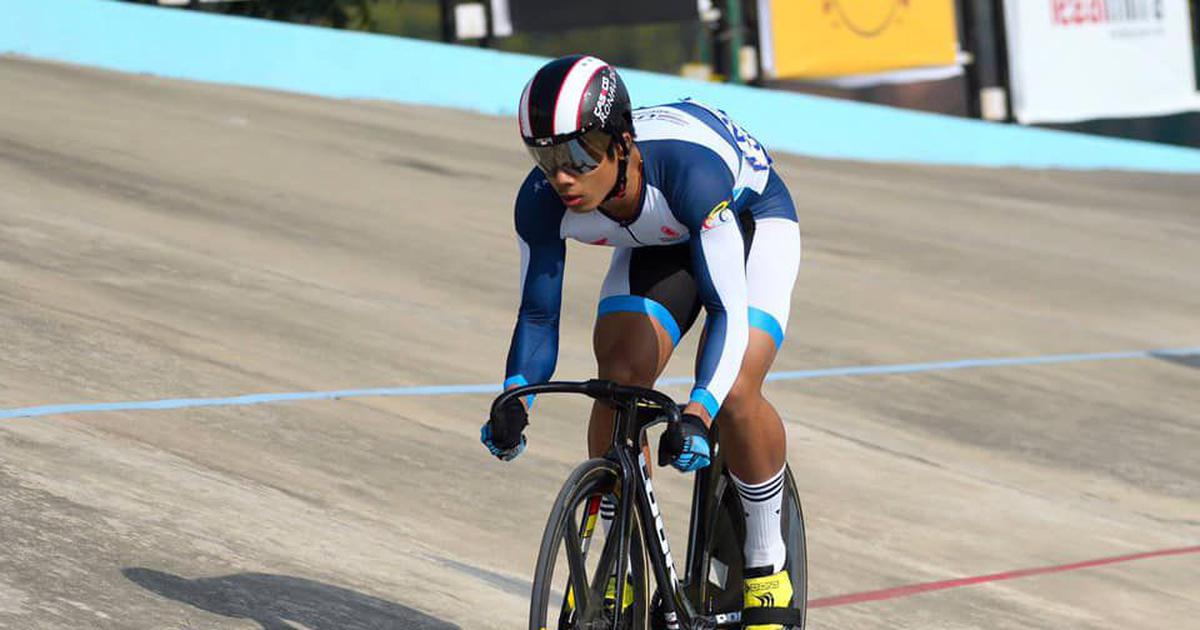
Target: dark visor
{"type": "Point", "coordinates": [577, 156]}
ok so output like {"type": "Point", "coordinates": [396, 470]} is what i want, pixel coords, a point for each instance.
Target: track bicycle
{"type": "Point", "coordinates": [617, 594]}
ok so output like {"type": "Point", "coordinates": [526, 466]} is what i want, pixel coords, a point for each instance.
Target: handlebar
{"type": "Point", "coordinates": [595, 388]}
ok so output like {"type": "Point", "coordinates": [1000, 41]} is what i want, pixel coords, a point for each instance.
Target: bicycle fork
{"type": "Point", "coordinates": [654, 531]}
{"type": "Point", "coordinates": [590, 516]}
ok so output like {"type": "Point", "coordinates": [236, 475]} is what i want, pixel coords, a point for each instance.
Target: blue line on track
{"type": "Point", "coordinates": [443, 390]}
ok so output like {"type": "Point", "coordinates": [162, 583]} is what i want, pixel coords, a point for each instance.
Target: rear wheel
{"type": "Point", "coordinates": [722, 571]}
{"type": "Point", "coordinates": [576, 560]}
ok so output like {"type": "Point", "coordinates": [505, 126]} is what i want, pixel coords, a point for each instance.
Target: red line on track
{"type": "Point", "coordinates": [914, 589]}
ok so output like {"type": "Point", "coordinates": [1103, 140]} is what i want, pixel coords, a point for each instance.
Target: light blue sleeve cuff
{"type": "Point", "coordinates": [519, 380]}
{"type": "Point", "coordinates": [704, 397]}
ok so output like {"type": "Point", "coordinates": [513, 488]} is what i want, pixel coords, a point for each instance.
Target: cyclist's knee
{"type": "Point", "coordinates": [629, 349]}
{"type": "Point", "coordinates": [625, 371]}
{"type": "Point", "coordinates": [627, 363]}
{"type": "Point", "coordinates": [741, 404]}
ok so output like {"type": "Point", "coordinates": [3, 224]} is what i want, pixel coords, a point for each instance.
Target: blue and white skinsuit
{"type": "Point", "coordinates": [716, 227]}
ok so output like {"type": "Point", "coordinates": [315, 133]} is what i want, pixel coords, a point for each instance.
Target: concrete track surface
{"type": "Point", "coordinates": [161, 239]}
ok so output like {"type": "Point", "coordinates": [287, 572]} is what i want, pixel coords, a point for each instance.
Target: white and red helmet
{"type": "Point", "coordinates": [571, 96]}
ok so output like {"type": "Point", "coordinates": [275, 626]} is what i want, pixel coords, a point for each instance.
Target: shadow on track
{"type": "Point", "coordinates": [273, 600]}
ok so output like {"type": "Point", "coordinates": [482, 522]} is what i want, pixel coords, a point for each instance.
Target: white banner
{"type": "Point", "coordinates": [1072, 60]}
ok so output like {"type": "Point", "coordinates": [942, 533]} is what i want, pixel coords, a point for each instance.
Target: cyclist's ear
{"type": "Point", "coordinates": [621, 146]}
{"type": "Point", "coordinates": [615, 148]}
{"type": "Point", "coordinates": [627, 141]}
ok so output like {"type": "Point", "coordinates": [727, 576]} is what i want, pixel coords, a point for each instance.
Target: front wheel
{"type": "Point", "coordinates": [577, 562]}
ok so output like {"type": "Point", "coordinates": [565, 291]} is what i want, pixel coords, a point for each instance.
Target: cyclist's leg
{"type": "Point", "coordinates": [631, 349]}
{"type": "Point", "coordinates": [647, 303]}
{"type": "Point", "coordinates": [752, 433]}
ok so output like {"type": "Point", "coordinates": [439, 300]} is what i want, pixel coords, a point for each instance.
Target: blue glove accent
{"type": "Point", "coordinates": [684, 445]}
{"type": "Point", "coordinates": [695, 456]}
{"type": "Point", "coordinates": [507, 455]}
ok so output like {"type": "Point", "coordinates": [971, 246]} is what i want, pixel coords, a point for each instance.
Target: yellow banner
{"type": "Point", "coordinates": [829, 38]}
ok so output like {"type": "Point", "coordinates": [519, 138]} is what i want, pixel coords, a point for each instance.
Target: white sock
{"type": "Point", "coordinates": [608, 510]}
{"type": "Point", "coordinates": [764, 539]}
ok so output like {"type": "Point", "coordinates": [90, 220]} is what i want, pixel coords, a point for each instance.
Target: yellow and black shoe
{"type": "Point", "coordinates": [767, 600]}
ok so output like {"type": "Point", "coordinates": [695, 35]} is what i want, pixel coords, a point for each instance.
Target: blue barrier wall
{"type": "Point", "coordinates": [326, 62]}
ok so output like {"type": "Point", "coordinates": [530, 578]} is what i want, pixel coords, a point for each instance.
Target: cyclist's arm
{"type": "Point", "coordinates": [718, 258]}
{"type": "Point", "coordinates": [533, 352]}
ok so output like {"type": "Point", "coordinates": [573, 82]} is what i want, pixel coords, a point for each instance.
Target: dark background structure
{"type": "Point", "coordinates": [660, 43]}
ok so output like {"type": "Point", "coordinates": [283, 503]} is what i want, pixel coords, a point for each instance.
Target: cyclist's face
{"type": "Point", "coordinates": [583, 192]}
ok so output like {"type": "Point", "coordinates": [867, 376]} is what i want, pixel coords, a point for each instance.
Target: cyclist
{"type": "Point", "coordinates": [697, 218]}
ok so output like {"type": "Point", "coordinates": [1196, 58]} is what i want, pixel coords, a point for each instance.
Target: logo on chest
{"type": "Point", "coordinates": [668, 234]}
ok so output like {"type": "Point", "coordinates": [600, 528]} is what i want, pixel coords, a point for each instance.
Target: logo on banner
{"type": "Point", "coordinates": [835, 38]}
{"type": "Point", "coordinates": [1085, 59]}
{"type": "Point", "coordinates": [1078, 12]}
{"type": "Point", "coordinates": [720, 214]}
{"type": "Point", "coordinates": [865, 18]}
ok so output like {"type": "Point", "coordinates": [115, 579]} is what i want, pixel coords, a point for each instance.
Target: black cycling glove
{"type": "Point", "coordinates": [503, 434]}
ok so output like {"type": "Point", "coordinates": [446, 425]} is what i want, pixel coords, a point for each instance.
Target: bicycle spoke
{"type": "Point", "coordinates": [578, 576]}
{"type": "Point", "coordinates": [604, 567]}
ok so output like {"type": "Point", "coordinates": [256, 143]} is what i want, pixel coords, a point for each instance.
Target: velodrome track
{"type": "Point", "coordinates": [162, 240]}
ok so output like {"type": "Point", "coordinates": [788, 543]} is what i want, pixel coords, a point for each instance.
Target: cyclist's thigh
{"type": "Point", "coordinates": [647, 303]}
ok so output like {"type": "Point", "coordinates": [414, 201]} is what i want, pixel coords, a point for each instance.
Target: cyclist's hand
{"type": "Point", "coordinates": [684, 444]}
{"type": "Point", "coordinates": [503, 433]}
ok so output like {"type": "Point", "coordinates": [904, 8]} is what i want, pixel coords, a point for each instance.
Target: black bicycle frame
{"type": "Point", "coordinates": [626, 452]}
